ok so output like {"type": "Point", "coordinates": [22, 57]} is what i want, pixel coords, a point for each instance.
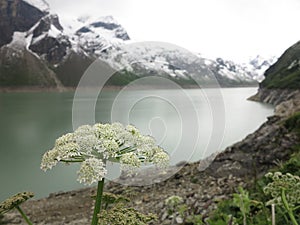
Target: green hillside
{"type": "Point", "coordinates": [285, 73]}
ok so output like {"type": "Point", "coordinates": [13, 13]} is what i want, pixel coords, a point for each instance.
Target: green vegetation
{"type": "Point", "coordinates": [286, 80]}
{"type": "Point", "coordinates": [24, 70]}
{"type": "Point", "coordinates": [285, 73]}
{"type": "Point", "coordinates": [123, 216]}
{"type": "Point", "coordinates": [14, 202]}
{"type": "Point", "coordinates": [253, 207]}
{"type": "Point", "coordinates": [116, 212]}
{"type": "Point", "coordinates": [293, 122]}
{"type": "Point", "coordinates": [122, 78]}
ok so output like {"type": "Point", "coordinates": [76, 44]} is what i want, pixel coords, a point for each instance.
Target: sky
{"type": "Point", "coordinates": [232, 29]}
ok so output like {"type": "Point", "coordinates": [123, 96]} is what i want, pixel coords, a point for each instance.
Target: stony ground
{"type": "Point", "coordinates": [199, 190]}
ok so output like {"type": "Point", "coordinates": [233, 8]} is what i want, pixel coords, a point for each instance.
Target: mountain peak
{"type": "Point", "coordinates": [107, 19]}
{"type": "Point", "coordinates": [40, 4]}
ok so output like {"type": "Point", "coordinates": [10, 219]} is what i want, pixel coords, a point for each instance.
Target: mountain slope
{"type": "Point", "coordinates": [20, 67]}
{"type": "Point", "coordinates": [64, 50]}
{"type": "Point", "coordinates": [177, 64]}
{"type": "Point", "coordinates": [16, 15]}
{"type": "Point", "coordinates": [285, 73]}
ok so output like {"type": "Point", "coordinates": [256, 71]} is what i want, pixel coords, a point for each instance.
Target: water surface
{"type": "Point", "coordinates": [30, 123]}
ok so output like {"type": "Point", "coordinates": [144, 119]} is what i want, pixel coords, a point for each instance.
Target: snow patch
{"type": "Point", "coordinates": [53, 32]}
{"type": "Point", "coordinates": [39, 38]}
{"type": "Point", "coordinates": [40, 4]}
{"type": "Point", "coordinates": [18, 41]}
{"type": "Point", "coordinates": [293, 64]}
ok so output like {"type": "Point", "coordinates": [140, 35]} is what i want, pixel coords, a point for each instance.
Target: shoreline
{"type": "Point", "coordinates": [35, 89]}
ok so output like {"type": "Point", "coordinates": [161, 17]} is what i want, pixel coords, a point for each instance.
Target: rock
{"type": "Point", "coordinates": [179, 220]}
{"type": "Point", "coordinates": [16, 15]}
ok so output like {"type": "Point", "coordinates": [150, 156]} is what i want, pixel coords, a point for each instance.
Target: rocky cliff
{"type": "Point", "coordinates": [281, 87]}
{"type": "Point", "coordinates": [16, 15]}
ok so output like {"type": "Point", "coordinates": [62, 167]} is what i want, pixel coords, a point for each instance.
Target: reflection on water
{"type": "Point", "coordinates": [181, 122]}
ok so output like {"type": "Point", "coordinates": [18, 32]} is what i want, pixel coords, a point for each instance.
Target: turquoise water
{"type": "Point", "coordinates": [30, 123]}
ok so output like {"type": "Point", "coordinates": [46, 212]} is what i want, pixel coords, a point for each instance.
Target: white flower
{"type": "Point", "coordinates": [67, 151]}
{"type": "Point", "coordinates": [92, 170]}
{"type": "Point", "coordinates": [85, 137]}
{"type": "Point", "coordinates": [67, 138]}
{"type": "Point", "coordinates": [89, 145]}
{"type": "Point", "coordinates": [288, 182]}
{"type": "Point", "coordinates": [132, 129]}
{"type": "Point", "coordinates": [84, 130]}
{"type": "Point", "coordinates": [105, 131]}
{"type": "Point", "coordinates": [130, 162]}
{"type": "Point", "coordinates": [173, 201]}
{"type": "Point", "coordinates": [146, 140]}
{"type": "Point", "coordinates": [110, 147]}
{"type": "Point", "coordinates": [49, 159]}
{"type": "Point", "coordinates": [161, 159]}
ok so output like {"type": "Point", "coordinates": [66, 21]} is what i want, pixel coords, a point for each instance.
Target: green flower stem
{"type": "Point", "coordinates": [24, 215]}
{"type": "Point", "coordinates": [71, 161]}
{"type": "Point", "coordinates": [286, 206]}
{"type": "Point", "coordinates": [97, 207]}
{"type": "Point", "coordinates": [297, 207]}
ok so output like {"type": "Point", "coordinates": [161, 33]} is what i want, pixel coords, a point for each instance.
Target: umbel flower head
{"type": "Point", "coordinates": [15, 201]}
{"type": "Point", "coordinates": [122, 216]}
{"type": "Point", "coordinates": [287, 182]}
{"type": "Point", "coordinates": [93, 146]}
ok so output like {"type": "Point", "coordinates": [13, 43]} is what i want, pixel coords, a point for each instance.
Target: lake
{"type": "Point", "coordinates": [190, 125]}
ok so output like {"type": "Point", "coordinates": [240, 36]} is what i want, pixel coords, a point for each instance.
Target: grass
{"type": "Point", "coordinates": [287, 81]}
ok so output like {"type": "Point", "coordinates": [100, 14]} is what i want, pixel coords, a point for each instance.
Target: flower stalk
{"type": "Point", "coordinates": [98, 202]}
{"type": "Point", "coordinates": [288, 209]}
{"type": "Point", "coordinates": [24, 215]}
{"type": "Point", "coordinates": [93, 146]}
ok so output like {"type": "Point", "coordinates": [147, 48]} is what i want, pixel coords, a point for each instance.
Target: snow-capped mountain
{"type": "Point", "coordinates": [39, 4]}
{"type": "Point", "coordinates": [154, 58]}
{"type": "Point", "coordinates": [63, 49]}
{"type": "Point", "coordinates": [94, 35]}
{"type": "Point", "coordinates": [252, 70]}
{"type": "Point", "coordinates": [259, 65]}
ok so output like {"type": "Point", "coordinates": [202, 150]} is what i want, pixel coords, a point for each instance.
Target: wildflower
{"type": "Point", "coordinates": [132, 129]}
{"type": "Point", "coordinates": [173, 201]}
{"type": "Point", "coordinates": [122, 215]}
{"type": "Point", "coordinates": [110, 146]}
{"type": "Point", "coordinates": [161, 159]}
{"type": "Point", "coordinates": [15, 201]}
{"type": "Point", "coordinates": [94, 145]}
{"type": "Point", "coordinates": [130, 161]}
{"type": "Point", "coordinates": [287, 182]}
{"type": "Point", "coordinates": [91, 170]}
{"type": "Point", "coordinates": [67, 138]}
{"type": "Point", "coordinates": [49, 159]}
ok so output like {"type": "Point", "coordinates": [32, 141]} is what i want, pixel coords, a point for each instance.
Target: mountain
{"type": "Point", "coordinates": [19, 66]}
{"type": "Point", "coordinates": [38, 49]}
{"type": "Point", "coordinates": [281, 87]}
{"type": "Point", "coordinates": [250, 71]}
{"type": "Point", "coordinates": [285, 73]}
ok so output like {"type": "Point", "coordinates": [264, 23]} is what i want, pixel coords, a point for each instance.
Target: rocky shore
{"type": "Point", "coordinates": [239, 165]}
